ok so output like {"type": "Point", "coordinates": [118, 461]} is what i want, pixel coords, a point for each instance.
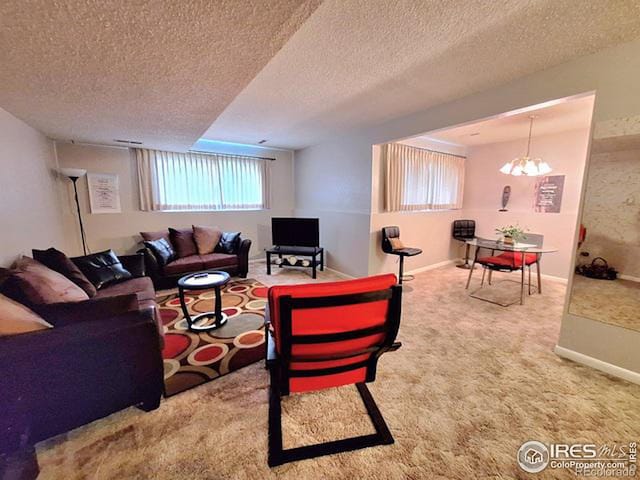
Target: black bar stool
{"type": "Point", "coordinates": [389, 233]}
{"type": "Point", "coordinates": [464, 230]}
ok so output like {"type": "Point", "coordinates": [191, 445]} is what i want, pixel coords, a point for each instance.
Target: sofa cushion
{"type": "Point", "coordinates": [16, 318]}
{"type": "Point", "coordinates": [183, 242]}
{"type": "Point", "coordinates": [229, 243]}
{"type": "Point", "coordinates": [162, 249]}
{"type": "Point", "coordinates": [102, 268]}
{"type": "Point", "coordinates": [151, 236]}
{"type": "Point", "coordinates": [206, 238]}
{"type": "Point", "coordinates": [184, 265]}
{"type": "Point", "coordinates": [142, 287]}
{"type": "Point", "coordinates": [59, 262]}
{"type": "Point", "coordinates": [31, 283]}
{"type": "Point", "coordinates": [219, 260]}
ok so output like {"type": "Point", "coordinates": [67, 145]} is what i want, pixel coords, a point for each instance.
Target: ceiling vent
{"type": "Point", "coordinates": [128, 142]}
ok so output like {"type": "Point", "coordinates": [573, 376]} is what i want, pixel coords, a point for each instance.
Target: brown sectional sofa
{"type": "Point", "coordinates": [167, 276]}
{"type": "Point", "coordinates": [102, 355]}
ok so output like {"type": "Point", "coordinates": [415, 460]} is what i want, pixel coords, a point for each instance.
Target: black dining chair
{"type": "Point", "coordinates": [462, 231]}
{"type": "Point", "coordinates": [388, 236]}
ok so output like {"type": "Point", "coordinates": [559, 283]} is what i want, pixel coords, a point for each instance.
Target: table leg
{"type": "Point", "coordinates": [218, 306]}
{"type": "Point", "coordinates": [314, 263]}
{"type": "Point", "coordinates": [280, 257]}
{"type": "Point", "coordinates": [539, 279]}
{"type": "Point", "coordinates": [268, 263]}
{"type": "Point", "coordinates": [185, 311]}
{"type": "Point", "coordinates": [475, 257]}
{"type": "Point", "coordinates": [322, 259]}
{"type": "Point", "coordinates": [522, 280]}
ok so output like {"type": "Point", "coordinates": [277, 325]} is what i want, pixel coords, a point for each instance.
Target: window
{"type": "Point", "coordinates": [419, 179]}
{"type": "Point", "coordinates": [193, 181]}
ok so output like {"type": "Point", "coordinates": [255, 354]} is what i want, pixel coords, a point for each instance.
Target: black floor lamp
{"type": "Point", "coordinates": [74, 174]}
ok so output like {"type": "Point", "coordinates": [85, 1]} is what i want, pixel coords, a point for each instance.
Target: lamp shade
{"type": "Point", "coordinates": [73, 172]}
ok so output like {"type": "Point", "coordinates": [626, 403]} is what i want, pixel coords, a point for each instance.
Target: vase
{"type": "Point", "coordinates": [507, 240]}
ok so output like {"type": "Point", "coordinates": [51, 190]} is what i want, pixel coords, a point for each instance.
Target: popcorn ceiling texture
{"type": "Point", "coordinates": [154, 71]}
{"type": "Point", "coordinates": [360, 63]}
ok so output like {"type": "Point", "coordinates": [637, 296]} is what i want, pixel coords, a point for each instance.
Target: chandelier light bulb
{"type": "Point", "coordinates": [526, 165]}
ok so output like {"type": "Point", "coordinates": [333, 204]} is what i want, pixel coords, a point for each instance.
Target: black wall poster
{"type": "Point", "coordinates": [548, 194]}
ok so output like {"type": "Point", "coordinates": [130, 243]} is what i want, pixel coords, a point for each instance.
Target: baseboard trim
{"type": "Point", "coordinates": [614, 370]}
{"type": "Point", "coordinates": [340, 274]}
{"type": "Point", "coordinates": [552, 278]}
{"type": "Point", "coordinates": [631, 278]}
{"type": "Point", "coordinates": [430, 267]}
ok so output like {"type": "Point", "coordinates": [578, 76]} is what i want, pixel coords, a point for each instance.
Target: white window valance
{"type": "Point", "coordinates": [419, 179]}
{"type": "Point", "coordinates": [170, 181]}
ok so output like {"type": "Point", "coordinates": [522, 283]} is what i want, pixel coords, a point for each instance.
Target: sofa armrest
{"type": "Point", "coordinates": [64, 377]}
{"type": "Point", "coordinates": [243, 257]}
{"type": "Point", "coordinates": [152, 266]}
{"type": "Point", "coordinates": [61, 314]}
{"type": "Point", "coordinates": [134, 263]}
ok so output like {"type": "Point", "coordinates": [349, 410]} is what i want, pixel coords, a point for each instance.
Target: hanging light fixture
{"type": "Point", "coordinates": [527, 166]}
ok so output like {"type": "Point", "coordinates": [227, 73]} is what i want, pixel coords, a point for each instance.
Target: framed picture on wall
{"type": "Point", "coordinates": [548, 194]}
{"type": "Point", "coordinates": [104, 193]}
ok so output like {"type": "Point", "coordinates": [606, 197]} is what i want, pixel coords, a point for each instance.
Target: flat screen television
{"type": "Point", "coordinates": [298, 232]}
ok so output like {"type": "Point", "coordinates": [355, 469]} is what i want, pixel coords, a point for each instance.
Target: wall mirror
{"type": "Point", "coordinates": [606, 284]}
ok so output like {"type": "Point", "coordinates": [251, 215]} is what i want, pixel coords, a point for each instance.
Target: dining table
{"type": "Point", "coordinates": [517, 248]}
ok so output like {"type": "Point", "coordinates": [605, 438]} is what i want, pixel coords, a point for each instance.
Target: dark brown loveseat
{"type": "Point", "coordinates": [167, 276]}
{"type": "Point", "coordinates": [102, 355]}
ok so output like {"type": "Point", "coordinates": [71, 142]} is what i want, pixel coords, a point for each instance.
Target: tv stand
{"type": "Point", "coordinates": [284, 252]}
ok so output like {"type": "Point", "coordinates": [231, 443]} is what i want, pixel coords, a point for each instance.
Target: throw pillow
{"type": "Point", "coordinates": [102, 268]}
{"type": "Point", "coordinates": [162, 250]}
{"type": "Point", "coordinates": [206, 238]}
{"type": "Point", "coordinates": [59, 262]}
{"type": "Point", "coordinates": [30, 282]}
{"type": "Point", "coordinates": [229, 243]}
{"type": "Point", "coordinates": [16, 318]}
{"type": "Point", "coordinates": [396, 244]}
{"type": "Point", "coordinates": [150, 236]}
{"type": "Point", "coordinates": [183, 243]}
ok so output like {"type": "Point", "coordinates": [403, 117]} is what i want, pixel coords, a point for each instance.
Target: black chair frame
{"type": "Point", "coordinates": [463, 230]}
{"type": "Point", "coordinates": [394, 232]}
{"type": "Point", "coordinates": [280, 372]}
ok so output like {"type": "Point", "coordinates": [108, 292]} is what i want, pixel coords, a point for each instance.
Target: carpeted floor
{"type": "Point", "coordinates": [611, 301]}
{"type": "Point", "coordinates": [193, 358]}
{"type": "Point", "coordinates": [471, 383]}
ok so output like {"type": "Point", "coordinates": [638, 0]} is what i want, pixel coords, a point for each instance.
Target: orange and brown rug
{"type": "Point", "coordinates": [191, 358]}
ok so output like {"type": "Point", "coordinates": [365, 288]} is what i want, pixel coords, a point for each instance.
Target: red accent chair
{"type": "Point", "coordinates": [329, 335]}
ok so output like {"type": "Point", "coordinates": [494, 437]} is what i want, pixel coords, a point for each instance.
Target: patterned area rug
{"type": "Point", "coordinates": [191, 358]}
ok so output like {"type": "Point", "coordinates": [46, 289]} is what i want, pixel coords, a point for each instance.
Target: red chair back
{"type": "Point", "coordinates": [331, 334]}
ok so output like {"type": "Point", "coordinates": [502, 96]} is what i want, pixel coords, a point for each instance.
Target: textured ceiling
{"type": "Point", "coordinates": [360, 62]}
{"type": "Point", "coordinates": [153, 71]}
{"type": "Point", "coordinates": [559, 117]}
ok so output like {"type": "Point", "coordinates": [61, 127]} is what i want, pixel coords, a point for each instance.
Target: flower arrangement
{"type": "Point", "coordinates": [511, 233]}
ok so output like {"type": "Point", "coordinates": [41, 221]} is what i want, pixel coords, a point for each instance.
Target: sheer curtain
{"type": "Point", "coordinates": [195, 181]}
{"type": "Point", "coordinates": [419, 179]}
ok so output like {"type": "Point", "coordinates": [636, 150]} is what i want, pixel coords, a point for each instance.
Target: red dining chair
{"type": "Point", "coordinates": [329, 335]}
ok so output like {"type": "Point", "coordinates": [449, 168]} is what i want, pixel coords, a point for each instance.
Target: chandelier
{"type": "Point", "coordinates": [530, 167]}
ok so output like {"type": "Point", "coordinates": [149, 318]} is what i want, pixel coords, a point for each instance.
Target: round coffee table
{"type": "Point", "coordinates": [204, 281]}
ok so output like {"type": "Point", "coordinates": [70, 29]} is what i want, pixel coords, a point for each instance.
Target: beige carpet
{"type": "Point", "coordinates": [610, 301]}
{"type": "Point", "coordinates": [472, 382]}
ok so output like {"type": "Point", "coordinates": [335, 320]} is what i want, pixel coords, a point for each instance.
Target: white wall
{"type": "Point", "coordinates": [334, 187]}
{"type": "Point", "coordinates": [30, 213]}
{"type": "Point", "coordinates": [121, 231]}
{"type": "Point", "coordinates": [566, 152]}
